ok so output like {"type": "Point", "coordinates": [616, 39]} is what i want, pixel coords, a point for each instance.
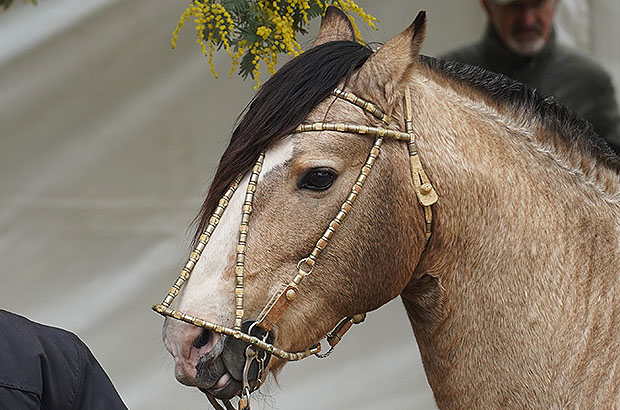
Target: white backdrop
{"type": "Point", "coordinates": [107, 141]}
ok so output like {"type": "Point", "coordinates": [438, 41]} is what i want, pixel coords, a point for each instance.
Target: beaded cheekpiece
{"type": "Point", "coordinates": [287, 294]}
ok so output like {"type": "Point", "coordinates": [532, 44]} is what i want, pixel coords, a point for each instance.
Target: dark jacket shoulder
{"type": "Point", "coordinates": [581, 65]}
{"type": "Point", "coordinates": [44, 367]}
{"type": "Point", "coordinates": [470, 54]}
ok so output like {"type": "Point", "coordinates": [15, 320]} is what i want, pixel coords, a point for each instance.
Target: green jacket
{"type": "Point", "coordinates": [571, 78]}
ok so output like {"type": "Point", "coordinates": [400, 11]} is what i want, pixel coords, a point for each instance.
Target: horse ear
{"type": "Point", "coordinates": [335, 26]}
{"type": "Point", "coordinates": [389, 68]}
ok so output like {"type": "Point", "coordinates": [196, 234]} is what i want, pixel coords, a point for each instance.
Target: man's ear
{"type": "Point", "coordinates": [335, 26]}
{"type": "Point", "coordinates": [486, 7]}
{"type": "Point", "coordinates": [389, 68]}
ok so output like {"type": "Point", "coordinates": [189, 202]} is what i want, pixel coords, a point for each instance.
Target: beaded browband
{"type": "Point", "coordinates": [287, 294]}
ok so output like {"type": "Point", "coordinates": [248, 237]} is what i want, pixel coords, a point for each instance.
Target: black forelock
{"type": "Point", "coordinates": [281, 104]}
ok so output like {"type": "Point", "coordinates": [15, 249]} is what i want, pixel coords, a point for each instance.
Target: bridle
{"type": "Point", "coordinates": [284, 297]}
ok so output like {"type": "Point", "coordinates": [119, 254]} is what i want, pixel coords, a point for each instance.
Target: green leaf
{"type": "Point", "coordinates": [246, 66]}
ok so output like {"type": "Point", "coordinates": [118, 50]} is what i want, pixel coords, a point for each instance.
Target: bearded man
{"type": "Point", "coordinates": [520, 43]}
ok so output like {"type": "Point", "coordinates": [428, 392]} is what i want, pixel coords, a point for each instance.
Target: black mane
{"type": "Point", "coordinates": [575, 132]}
{"type": "Point", "coordinates": [287, 98]}
{"type": "Point", "coordinates": [281, 104]}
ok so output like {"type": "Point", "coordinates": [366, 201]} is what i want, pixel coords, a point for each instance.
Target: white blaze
{"type": "Point", "coordinates": [277, 155]}
{"type": "Point", "coordinates": [206, 294]}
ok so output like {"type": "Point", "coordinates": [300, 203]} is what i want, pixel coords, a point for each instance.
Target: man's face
{"type": "Point", "coordinates": [523, 26]}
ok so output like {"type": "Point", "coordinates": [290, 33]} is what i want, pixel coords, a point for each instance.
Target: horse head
{"type": "Point", "coordinates": [294, 244]}
{"type": "Point", "coordinates": [322, 210]}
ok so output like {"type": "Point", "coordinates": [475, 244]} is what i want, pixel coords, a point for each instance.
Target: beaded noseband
{"type": "Point", "coordinates": [288, 293]}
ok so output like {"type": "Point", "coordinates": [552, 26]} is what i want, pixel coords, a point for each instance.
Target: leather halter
{"type": "Point", "coordinates": [288, 293]}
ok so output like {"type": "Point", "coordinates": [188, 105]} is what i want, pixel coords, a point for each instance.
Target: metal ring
{"type": "Point", "coordinates": [252, 327]}
{"type": "Point", "coordinates": [326, 354]}
{"type": "Point", "coordinates": [308, 264]}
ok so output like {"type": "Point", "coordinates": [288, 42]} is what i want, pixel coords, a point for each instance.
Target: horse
{"type": "Point", "coordinates": [357, 176]}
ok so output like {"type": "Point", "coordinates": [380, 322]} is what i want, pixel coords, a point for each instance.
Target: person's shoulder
{"type": "Point", "coordinates": [468, 54]}
{"type": "Point", "coordinates": [39, 359]}
{"type": "Point", "coordinates": [27, 342]}
{"type": "Point", "coordinates": [582, 66]}
{"type": "Point", "coordinates": [17, 328]}
{"type": "Point", "coordinates": [21, 348]}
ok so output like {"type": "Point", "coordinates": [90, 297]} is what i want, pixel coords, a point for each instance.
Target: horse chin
{"type": "Point", "coordinates": [226, 388]}
{"type": "Point", "coordinates": [219, 372]}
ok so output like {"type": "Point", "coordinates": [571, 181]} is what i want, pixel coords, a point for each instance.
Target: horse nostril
{"type": "Point", "coordinates": [203, 339]}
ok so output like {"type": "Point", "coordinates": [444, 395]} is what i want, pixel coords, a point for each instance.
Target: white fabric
{"type": "Point", "coordinates": [107, 140]}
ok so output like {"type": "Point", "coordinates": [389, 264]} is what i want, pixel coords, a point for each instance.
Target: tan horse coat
{"type": "Point", "coordinates": [515, 302]}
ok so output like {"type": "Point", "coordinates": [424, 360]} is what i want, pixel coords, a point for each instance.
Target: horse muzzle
{"type": "Point", "coordinates": [216, 363]}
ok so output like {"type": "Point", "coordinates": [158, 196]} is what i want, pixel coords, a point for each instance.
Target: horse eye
{"type": "Point", "coordinates": [318, 179]}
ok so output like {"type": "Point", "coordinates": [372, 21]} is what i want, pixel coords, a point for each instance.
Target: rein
{"type": "Point", "coordinates": [288, 293]}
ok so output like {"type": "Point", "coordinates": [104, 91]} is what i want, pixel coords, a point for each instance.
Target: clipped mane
{"type": "Point", "coordinates": [571, 132]}
{"type": "Point", "coordinates": [281, 104]}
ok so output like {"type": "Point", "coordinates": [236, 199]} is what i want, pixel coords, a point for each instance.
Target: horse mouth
{"type": "Point", "coordinates": [225, 389]}
{"type": "Point", "coordinates": [214, 378]}
{"type": "Point", "coordinates": [219, 372]}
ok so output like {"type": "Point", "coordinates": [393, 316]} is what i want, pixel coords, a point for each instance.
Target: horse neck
{"type": "Point", "coordinates": [522, 265]}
